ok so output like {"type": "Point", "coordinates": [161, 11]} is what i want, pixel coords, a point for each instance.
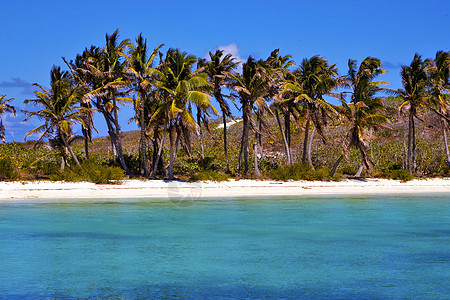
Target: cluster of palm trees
{"type": "Point", "coordinates": [165, 94]}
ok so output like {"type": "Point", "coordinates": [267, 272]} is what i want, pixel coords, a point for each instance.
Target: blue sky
{"type": "Point", "coordinates": [36, 34]}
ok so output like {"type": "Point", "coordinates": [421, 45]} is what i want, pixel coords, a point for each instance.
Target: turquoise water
{"type": "Point", "coordinates": [366, 247]}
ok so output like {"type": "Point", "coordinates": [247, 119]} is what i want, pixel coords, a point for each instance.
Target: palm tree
{"type": "Point", "coordinates": [440, 85]}
{"type": "Point", "coordinates": [414, 95]}
{"type": "Point", "coordinates": [251, 88]}
{"type": "Point", "coordinates": [314, 78]}
{"type": "Point", "coordinates": [58, 110]}
{"type": "Point", "coordinates": [178, 86]}
{"type": "Point", "coordinates": [4, 108]}
{"type": "Point", "coordinates": [142, 74]}
{"type": "Point", "coordinates": [276, 67]}
{"type": "Point", "coordinates": [79, 72]}
{"type": "Point", "coordinates": [217, 68]}
{"type": "Point", "coordinates": [362, 111]}
{"type": "Point", "coordinates": [102, 74]}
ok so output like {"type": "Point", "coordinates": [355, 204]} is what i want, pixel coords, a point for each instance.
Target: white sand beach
{"type": "Point", "coordinates": [166, 190]}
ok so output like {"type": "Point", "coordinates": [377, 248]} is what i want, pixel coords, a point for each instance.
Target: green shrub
{"type": "Point", "coordinates": [208, 163]}
{"type": "Point", "coordinates": [192, 166]}
{"type": "Point", "coordinates": [209, 175]}
{"type": "Point", "coordinates": [133, 163]}
{"type": "Point", "coordinates": [268, 164]}
{"type": "Point", "coordinates": [299, 172]}
{"type": "Point", "coordinates": [7, 169]}
{"type": "Point", "coordinates": [401, 174]}
{"type": "Point", "coordinates": [45, 168]}
{"type": "Point", "coordinates": [348, 169]}
{"type": "Point", "coordinates": [90, 171]}
{"type": "Point", "coordinates": [189, 165]}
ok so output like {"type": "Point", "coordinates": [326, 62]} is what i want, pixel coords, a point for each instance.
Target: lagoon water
{"type": "Point", "coordinates": [358, 247]}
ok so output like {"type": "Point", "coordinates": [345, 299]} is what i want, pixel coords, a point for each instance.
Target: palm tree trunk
{"type": "Point", "coordinates": [255, 154]}
{"type": "Point", "coordinates": [245, 142]}
{"type": "Point", "coordinates": [260, 148]}
{"type": "Point", "coordinates": [411, 163]}
{"type": "Point", "coordinates": [113, 147]}
{"type": "Point", "coordinates": [336, 164]}
{"type": "Point", "coordinates": [113, 131]}
{"type": "Point", "coordinates": [225, 141]}
{"type": "Point", "coordinates": [219, 98]}
{"type": "Point", "coordinates": [143, 137]}
{"type": "Point", "coordinates": [143, 152]}
{"type": "Point", "coordinates": [66, 144]}
{"type": "Point", "coordinates": [86, 141]}
{"type": "Point", "coordinates": [311, 139]}
{"type": "Point", "coordinates": [184, 132]}
{"type": "Point", "coordinates": [199, 122]}
{"type": "Point", "coordinates": [408, 160]}
{"type": "Point", "coordinates": [286, 145]}
{"type": "Point", "coordinates": [63, 163]}
{"type": "Point", "coordinates": [287, 126]}
{"type": "Point", "coordinates": [305, 141]}
{"type": "Point", "coordinates": [444, 127]}
{"type": "Point", "coordinates": [155, 145]}
{"type": "Point", "coordinates": [171, 150]}
{"type": "Point", "coordinates": [359, 172]}
{"type": "Point", "coordinates": [86, 148]}
{"type": "Point", "coordinates": [240, 152]}
{"type": "Point", "coordinates": [173, 153]}
{"type": "Point", "coordinates": [414, 148]}
{"type": "Point", "coordinates": [158, 157]}
{"type": "Point", "coordinates": [118, 144]}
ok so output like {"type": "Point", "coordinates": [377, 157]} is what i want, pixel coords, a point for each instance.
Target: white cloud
{"type": "Point", "coordinates": [234, 51]}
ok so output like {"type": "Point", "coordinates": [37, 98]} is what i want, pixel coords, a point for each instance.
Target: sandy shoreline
{"type": "Point", "coordinates": [165, 190]}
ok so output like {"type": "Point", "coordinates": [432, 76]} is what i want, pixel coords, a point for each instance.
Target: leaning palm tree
{"type": "Point", "coordinates": [415, 96]}
{"type": "Point", "coordinates": [142, 73]}
{"type": "Point", "coordinates": [178, 86]}
{"type": "Point", "coordinates": [440, 86]}
{"type": "Point", "coordinates": [276, 67]}
{"type": "Point", "coordinates": [216, 69]}
{"type": "Point", "coordinates": [58, 110]}
{"type": "Point", "coordinates": [4, 108]}
{"type": "Point", "coordinates": [251, 88]}
{"type": "Point", "coordinates": [102, 74]}
{"type": "Point", "coordinates": [362, 111]}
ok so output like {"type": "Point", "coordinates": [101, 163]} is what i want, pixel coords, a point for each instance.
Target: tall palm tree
{"type": "Point", "coordinates": [314, 78]}
{"type": "Point", "coordinates": [179, 86]}
{"type": "Point", "coordinates": [276, 67]}
{"type": "Point", "coordinates": [217, 68]}
{"type": "Point", "coordinates": [251, 88]}
{"type": "Point", "coordinates": [82, 77]}
{"type": "Point", "coordinates": [58, 110]}
{"type": "Point", "coordinates": [440, 86]}
{"type": "Point", "coordinates": [415, 96]}
{"type": "Point", "coordinates": [362, 111]}
{"type": "Point", "coordinates": [4, 108]}
{"type": "Point", "coordinates": [142, 73]}
{"type": "Point", "coordinates": [102, 73]}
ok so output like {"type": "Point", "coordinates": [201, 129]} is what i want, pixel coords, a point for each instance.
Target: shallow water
{"type": "Point", "coordinates": [358, 247]}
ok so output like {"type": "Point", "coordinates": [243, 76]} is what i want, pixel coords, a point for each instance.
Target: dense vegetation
{"type": "Point", "coordinates": [288, 129]}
